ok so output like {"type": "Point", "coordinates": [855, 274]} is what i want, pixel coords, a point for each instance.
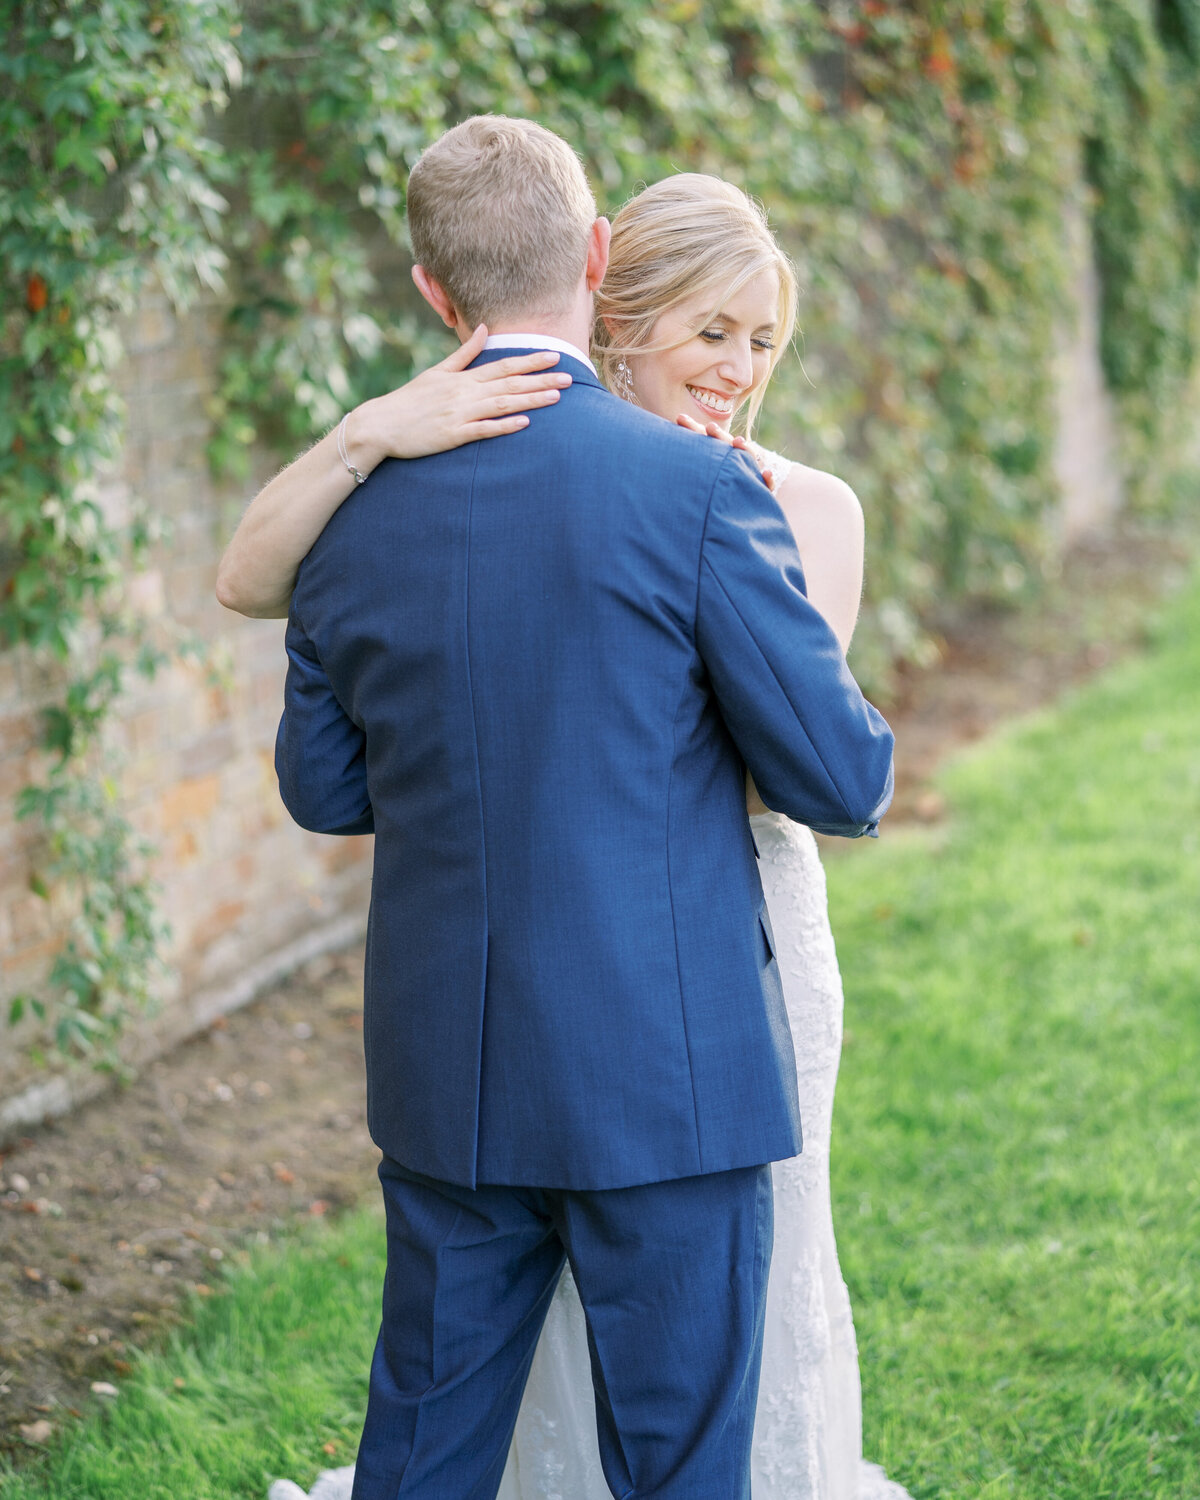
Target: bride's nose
{"type": "Point", "coordinates": [737, 366]}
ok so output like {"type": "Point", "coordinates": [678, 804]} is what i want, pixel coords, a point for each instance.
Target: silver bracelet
{"type": "Point", "coordinates": [359, 476]}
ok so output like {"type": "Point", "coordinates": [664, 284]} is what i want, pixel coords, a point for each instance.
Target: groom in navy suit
{"type": "Point", "coordinates": [538, 669]}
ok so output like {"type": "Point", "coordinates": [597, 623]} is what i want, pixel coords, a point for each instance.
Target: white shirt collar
{"type": "Point", "coordinates": [537, 341]}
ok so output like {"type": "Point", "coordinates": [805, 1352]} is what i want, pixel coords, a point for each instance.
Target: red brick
{"type": "Point", "coordinates": [189, 801]}
{"type": "Point", "coordinates": [218, 922]}
{"type": "Point", "coordinates": [208, 753]}
{"type": "Point", "coordinates": [340, 854]}
{"type": "Point", "coordinates": [19, 732]}
{"type": "Point", "coordinates": [28, 964]}
{"type": "Point", "coordinates": [29, 920]}
{"type": "Point", "coordinates": [184, 847]}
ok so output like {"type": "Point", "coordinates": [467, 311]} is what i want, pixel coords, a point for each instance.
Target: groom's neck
{"type": "Point", "coordinates": [573, 325]}
{"type": "Point", "coordinates": [577, 331]}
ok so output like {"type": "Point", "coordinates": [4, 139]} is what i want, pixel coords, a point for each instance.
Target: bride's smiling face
{"type": "Point", "coordinates": [712, 362]}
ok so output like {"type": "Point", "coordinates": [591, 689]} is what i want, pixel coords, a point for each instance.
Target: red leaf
{"type": "Point", "coordinates": [940, 61]}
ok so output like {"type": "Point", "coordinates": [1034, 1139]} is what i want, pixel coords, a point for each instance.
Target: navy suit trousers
{"type": "Point", "coordinates": [673, 1278]}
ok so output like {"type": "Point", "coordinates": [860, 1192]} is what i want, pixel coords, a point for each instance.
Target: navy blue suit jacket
{"type": "Point", "coordinates": [537, 667]}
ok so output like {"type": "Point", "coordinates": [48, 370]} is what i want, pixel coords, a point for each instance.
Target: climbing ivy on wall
{"type": "Point", "coordinates": [913, 155]}
{"type": "Point", "coordinates": [914, 158]}
{"type": "Point", "coordinates": [108, 177]}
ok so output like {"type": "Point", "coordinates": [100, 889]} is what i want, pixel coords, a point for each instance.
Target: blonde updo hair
{"type": "Point", "coordinates": [688, 236]}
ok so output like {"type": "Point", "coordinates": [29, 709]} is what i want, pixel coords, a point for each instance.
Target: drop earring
{"type": "Point", "coordinates": [624, 380]}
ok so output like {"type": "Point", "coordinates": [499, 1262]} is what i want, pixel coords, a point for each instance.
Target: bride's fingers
{"type": "Point", "coordinates": [521, 385]}
{"type": "Point", "coordinates": [519, 393]}
{"type": "Point", "coordinates": [710, 429]}
{"type": "Point", "coordinates": [495, 427]}
{"type": "Point", "coordinates": [496, 406]}
{"type": "Point", "coordinates": [517, 364]}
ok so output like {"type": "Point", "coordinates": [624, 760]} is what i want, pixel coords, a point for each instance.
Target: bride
{"type": "Point", "coordinates": [695, 283]}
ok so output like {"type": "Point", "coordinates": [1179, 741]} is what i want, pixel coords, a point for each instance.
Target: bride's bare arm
{"type": "Point", "coordinates": [827, 523]}
{"type": "Point", "coordinates": [443, 407]}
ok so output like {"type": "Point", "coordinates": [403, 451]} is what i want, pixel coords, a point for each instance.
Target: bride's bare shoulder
{"type": "Point", "coordinates": [814, 501]}
{"type": "Point", "coordinates": [807, 483]}
{"type": "Point", "coordinates": [804, 482]}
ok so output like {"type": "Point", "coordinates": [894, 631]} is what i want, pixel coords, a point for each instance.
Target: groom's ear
{"type": "Point", "coordinates": [435, 294]}
{"type": "Point", "coordinates": [597, 258]}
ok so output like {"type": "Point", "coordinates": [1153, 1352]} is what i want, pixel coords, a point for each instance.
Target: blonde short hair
{"type": "Point", "coordinates": [687, 236]}
{"type": "Point", "coordinates": [499, 212]}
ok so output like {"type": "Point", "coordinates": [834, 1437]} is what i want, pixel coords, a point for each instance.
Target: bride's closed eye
{"type": "Point", "coordinates": [718, 336]}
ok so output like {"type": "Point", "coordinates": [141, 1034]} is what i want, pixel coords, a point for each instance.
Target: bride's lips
{"type": "Point", "coordinates": [715, 405]}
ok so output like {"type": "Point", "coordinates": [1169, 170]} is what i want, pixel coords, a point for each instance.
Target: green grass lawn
{"type": "Point", "coordinates": [1017, 1138]}
{"type": "Point", "coordinates": [270, 1372]}
{"type": "Point", "coordinates": [1016, 1160]}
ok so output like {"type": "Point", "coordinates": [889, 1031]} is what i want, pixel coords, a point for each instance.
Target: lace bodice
{"type": "Point", "coordinates": [769, 459]}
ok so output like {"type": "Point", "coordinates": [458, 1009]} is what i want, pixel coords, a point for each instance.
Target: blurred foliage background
{"type": "Point", "coordinates": [916, 158]}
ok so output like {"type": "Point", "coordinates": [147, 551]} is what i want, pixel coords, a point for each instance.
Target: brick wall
{"type": "Point", "coordinates": [241, 885]}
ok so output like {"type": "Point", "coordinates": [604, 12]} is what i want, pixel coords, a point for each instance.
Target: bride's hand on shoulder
{"type": "Point", "coordinates": [441, 408]}
{"type": "Point", "coordinates": [714, 430]}
{"type": "Point", "coordinates": [450, 404]}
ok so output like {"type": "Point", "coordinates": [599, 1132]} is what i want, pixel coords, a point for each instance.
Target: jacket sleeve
{"type": "Point", "coordinates": [818, 751]}
{"type": "Point", "coordinates": [320, 753]}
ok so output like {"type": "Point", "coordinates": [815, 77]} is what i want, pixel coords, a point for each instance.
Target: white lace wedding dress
{"type": "Point", "coordinates": [808, 1431]}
